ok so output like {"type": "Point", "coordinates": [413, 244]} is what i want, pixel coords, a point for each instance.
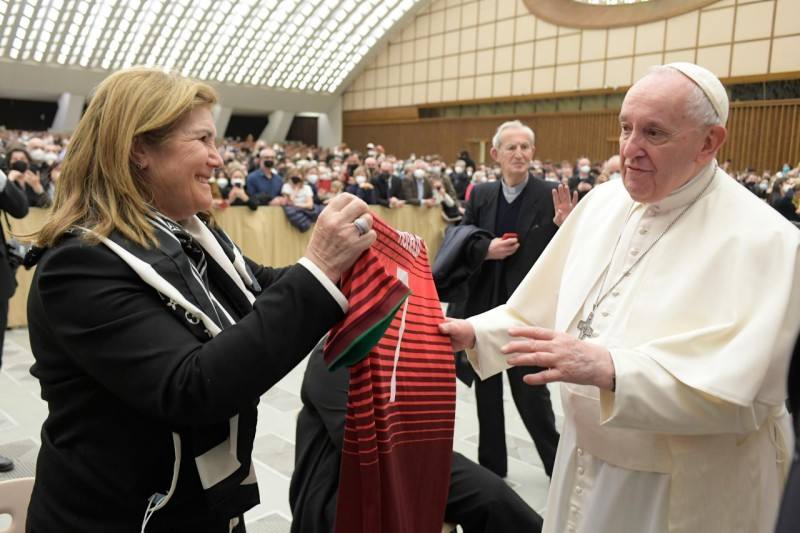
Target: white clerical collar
{"type": "Point", "coordinates": [687, 192]}
{"type": "Point", "coordinates": [510, 192]}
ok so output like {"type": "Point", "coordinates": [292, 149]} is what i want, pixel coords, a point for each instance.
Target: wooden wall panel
{"type": "Point", "coordinates": [763, 135]}
{"type": "Point", "coordinates": [558, 135]}
{"type": "Point", "coordinates": [382, 115]}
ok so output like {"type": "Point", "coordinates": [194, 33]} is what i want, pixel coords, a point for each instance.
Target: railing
{"type": "Point", "coordinates": [264, 235]}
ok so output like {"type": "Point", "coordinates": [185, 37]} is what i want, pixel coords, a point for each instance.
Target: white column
{"type": "Point", "coordinates": [329, 126]}
{"type": "Point", "coordinates": [222, 116]}
{"type": "Point", "coordinates": [278, 127]}
{"type": "Point", "coordinates": [70, 109]}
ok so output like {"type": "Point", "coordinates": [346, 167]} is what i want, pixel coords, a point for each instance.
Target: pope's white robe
{"type": "Point", "coordinates": [694, 439]}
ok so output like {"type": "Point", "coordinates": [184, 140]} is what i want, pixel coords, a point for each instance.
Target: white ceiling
{"type": "Point", "coordinates": [290, 53]}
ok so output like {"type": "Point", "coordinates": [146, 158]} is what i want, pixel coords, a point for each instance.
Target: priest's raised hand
{"type": "Point", "coordinates": [563, 203]}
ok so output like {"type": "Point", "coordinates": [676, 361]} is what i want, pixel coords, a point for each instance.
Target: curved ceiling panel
{"type": "Point", "coordinates": [306, 45]}
{"type": "Point", "coordinates": [609, 13]}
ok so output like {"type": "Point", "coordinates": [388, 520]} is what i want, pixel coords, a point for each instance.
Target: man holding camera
{"type": "Point", "coordinates": [13, 202]}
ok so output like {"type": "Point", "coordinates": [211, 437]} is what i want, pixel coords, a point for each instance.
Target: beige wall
{"type": "Point", "coordinates": [455, 50]}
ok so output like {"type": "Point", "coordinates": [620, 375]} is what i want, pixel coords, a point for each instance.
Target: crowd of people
{"type": "Point", "coordinates": [256, 173]}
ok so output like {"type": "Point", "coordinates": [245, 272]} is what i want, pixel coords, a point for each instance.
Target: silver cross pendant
{"type": "Point", "coordinates": [585, 327]}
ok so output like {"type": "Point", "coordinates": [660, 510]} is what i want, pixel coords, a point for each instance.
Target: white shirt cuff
{"type": "Point", "coordinates": [3, 180]}
{"type": "Point", "coordinates": [326, 282]}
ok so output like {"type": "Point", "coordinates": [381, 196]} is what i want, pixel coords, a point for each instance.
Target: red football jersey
{"type": "Point", "coordinates": [398, 439]}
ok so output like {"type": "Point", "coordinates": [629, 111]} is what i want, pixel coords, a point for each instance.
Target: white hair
{"type": "Point", "coordinates": [698, 105]}
{"type": "Point", "coordinates": [515, 124]}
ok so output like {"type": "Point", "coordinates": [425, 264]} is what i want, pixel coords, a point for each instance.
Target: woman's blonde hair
{"type": "Point", "coordinates": [100, 187]}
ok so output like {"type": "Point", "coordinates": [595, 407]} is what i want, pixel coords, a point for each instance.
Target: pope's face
{"type": "Point", "coordinates": [659, 142]}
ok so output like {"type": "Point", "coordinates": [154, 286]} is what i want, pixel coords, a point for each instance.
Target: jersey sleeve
{"type": "Point", "coordinates": [374, 296]}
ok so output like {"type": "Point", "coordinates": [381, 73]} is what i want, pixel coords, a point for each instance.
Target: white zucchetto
{"type": "Point", "coordinates": [708, 83]}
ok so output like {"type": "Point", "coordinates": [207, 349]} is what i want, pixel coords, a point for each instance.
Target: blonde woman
{"type": "Point", "coordinates": [153, 336]}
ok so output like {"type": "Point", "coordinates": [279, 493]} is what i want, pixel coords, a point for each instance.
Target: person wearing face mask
{"type": "Point", "coordinates": [26, 175]}
{"type": "Point", "coordinates": [38, 154]}
{"type": "Point", "coordinates": [36, 151]}
{"type": "Point", "coordinates": [218, 201]}
{"type": "Point", "coordinates": [582, 175]}
{"type": "Point", "coordinates": [223, 183]}
{"type": "Point", "coordinates": [780, 198]}
{"type": "Point", "coordinates": [266, 183]}
{"type": "Point", "coordinates": [611, 168]}
{"type": "Point", "coordinates": [460, 178]}
{"type": "Point", "coordinates": [418, 190]}
{"type": "Point", "coordinates": [298, 193]}
{"type": "Point", "coordinates": [361, 187]}
{"type": "Point", "coordinates": [51, 155]}
{"type": "Point", "coordinates": [311, 177]}
{"type": "Point", "coordinates": [235, 192]}
{"type": "Point", "coordinates": [388, 186]}
{"type": "Point", "coordinates": [479, 176]}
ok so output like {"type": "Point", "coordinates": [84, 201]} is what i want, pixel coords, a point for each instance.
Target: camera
{"type": "Point", "coordinates": [19, 166]}
{"type": "Point", "coordinates": [23, 166]}
{"type": "Point", "coordinates": [16, 252]}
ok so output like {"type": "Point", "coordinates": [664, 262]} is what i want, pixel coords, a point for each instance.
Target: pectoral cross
{"type": "Point", "coordinates": [585, 327]}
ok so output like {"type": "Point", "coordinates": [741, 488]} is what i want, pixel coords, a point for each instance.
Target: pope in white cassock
{"type": "Point", "coordinates": [668, 305]}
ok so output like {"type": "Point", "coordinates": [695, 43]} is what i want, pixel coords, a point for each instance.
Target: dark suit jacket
{"type": "Point", "coordinates": [384, 192]}
{"type": "Point", "coordinates": [13, 202]}
{"type": "Point", "coordinates": [410, 193]}
{"type": "Point", "coordinates": [535, 229]}
{"type": "Point", "coordinates": [120, 372]}
{"type": "Point", "coordinates": [450, 271]}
